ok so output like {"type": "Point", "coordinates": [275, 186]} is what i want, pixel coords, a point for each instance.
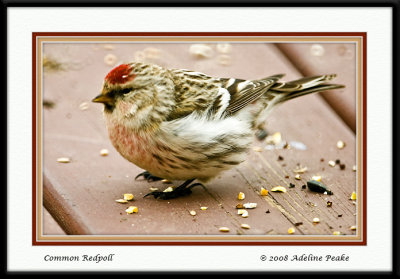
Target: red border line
{"type": "Point", "coordinates": [198, 34]}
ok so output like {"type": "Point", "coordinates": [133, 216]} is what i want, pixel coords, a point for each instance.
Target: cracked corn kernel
{"type": "Point", "coordinates": [121, 201]}
{"type": "Point", "coordinates": [203, 207]}
{"type": "Point", "coordinates": [353, 196]}
{"type": "Point", "coordinates": [263, 192]}
{"type": "Point", "coordinates": [245, 226]}
{"type": "Point", "coordinates": [169, 189]}
{"type": "Point", "coordinates": [316, 178]}
{"type": "Point", "coordinates": [291, 230]}
{"type": "Point", "coordinates": [332, 163]}
{"type": "Point", "coordinates": [241, 196]}
{"type": "Point", "coordinates": [104, 152]}
{"type": "Point", "coordinates": [131, 209]}
{"type": "Point", "coordinates": [128, 197]}
{"type": "Point", "coordinates": [336, 233]}
{"type": "Point", "coordinates": [297, 176]}
{"type": "Point", "coordinates": [224, 229]}
{"type": "Point", "coordinates": [193, 213]}
{"type": "Point", "coordinates": [279, 189]}
{"type": "Point", "coordinates": [353, 228]}
{"type": "Point", "coordinates": [63, 160]}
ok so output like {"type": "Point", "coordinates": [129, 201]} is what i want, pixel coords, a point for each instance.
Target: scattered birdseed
{"type": "Point", "coordinates": [353, 196]}
{"type": "Point", "coordinates": [342, 166]}
{"type": "Point", "coordinates": [298, 223]}
{"type": "Point", "coordinates": [315, 220]}
{"type": "Point", "coordinates": [337, 161]}
{"type": "Point", "coordinates": [261, 134]}
{"type": "Point", "coordinates": [297, 145]}
{"type": "Point", "coordinates": [291, 230]}
{"type": "Point", "coordinates": [241, 211]}
{"type": "Point", "coordinates": [354, 168]}
{"type": "Point", "coordinates": [257, 148]}
{"type": "Point", "coordinates": [279, 189]}
{"type": "Point", "coordinates": [328, 203]}
{"type": "Point", "coordinates": [128, 197]}
{"type": "Point", "coordinates": [224, 229]}
{"type": "Point", "coordinates": [245, 226]}
{"type": "Point", "coordinates": [224, 59]}
{"type": "Point", "coordinates": [108, 47]}
{"type": "Point", "coordinates": [239, 206]}
{"type": "Point", "coordinates": [336, 233]}
{"type": "Point", "coordinates": [110, 59]}
{"type": "Point", "coordinates": [303, 187]}
{"type": "Point", "coordinates": [241, 196]}
{"type": "Point", "coordinates": [166, 181]}
{"type": "Point", "coordinates": [291, 185]}
{"type": "Point", "coordinates": [250, 205]}
{"type": "Point", "coordinates": [201, 51]}
{"type": "Point", "coordinates": [280, 158]}
{"type": "Point", "coordinates": [169, 189]}
{"type": "Point", "coordinates": [317, 186]}
{"type": "Point", "coordinates": [151, 189]}
{"type": "Point", "coordinates": [317, 50]}
{"type": "Point", "coordinates": [332, 163]}
{"type": "Point", "coordinates": [245, 214]}
{"type": "Point", "coordinates": [300, 169]}
{"type": "Point", "coordinates": [263, 192]}
{"type": "Point", "coordinates": [275, 138]}
{"type": "Point", "coordinates": [297, 176]}
{"type": "Point", "coordinates": [340, 144]}
{"type": "Point", "coordinates": [121, 201]}
{"type": "Point", "coordinates": [104, 152]}
{"type": "Point", "coordinates": [203, 207]}
{"type": "Point", "coordinates": [267, 211]}
{"type": "Point", "coordinates": [316, 178]}
{"type": "Point", "coordinates": [353, 228]}
{"type": "Point", "coordinates": [84, 106]}
{"type": "Point", "coordinates": [340, 215]}
{"type": "Point", "coordinates": [193, 213]}
{"type": "Point", "coordinates": [131, 209]}
{"type": "Point", "coordinates": [63, 160]}
{"type": "Point", "coordinates": [224, 48]}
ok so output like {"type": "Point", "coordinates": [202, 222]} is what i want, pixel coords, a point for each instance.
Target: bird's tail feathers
{"type": "Point", "coordinates": [304, 86]}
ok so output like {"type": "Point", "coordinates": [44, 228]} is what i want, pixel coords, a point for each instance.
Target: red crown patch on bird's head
{"type": "Point", "coordinates": [120, 74]}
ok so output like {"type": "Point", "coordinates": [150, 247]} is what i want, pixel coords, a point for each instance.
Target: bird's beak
{"type": "Point", "coordinates": [105, 99]}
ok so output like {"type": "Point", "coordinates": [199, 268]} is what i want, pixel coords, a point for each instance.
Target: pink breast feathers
{"type": "Point", "coordinates": [120, 74]}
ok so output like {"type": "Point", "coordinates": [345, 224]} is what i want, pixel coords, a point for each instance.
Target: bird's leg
{"type": "Point", "coordinates": [148, 176]}
{"type": "Point", "coordinates": [180, 191]}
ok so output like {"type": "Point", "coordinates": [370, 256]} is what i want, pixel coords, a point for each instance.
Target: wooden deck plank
{"type": "Point", "coordinates": [83, 192]}
{"type": "Point", "coordinates": [340, 58]}
{"type": "Point", "coordinates": [50, 226]}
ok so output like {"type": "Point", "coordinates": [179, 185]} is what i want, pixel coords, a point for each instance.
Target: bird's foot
{"type": "Point", "coordinates": [180, 191]}
{"type": "Point", "coordinates": [148, 176]}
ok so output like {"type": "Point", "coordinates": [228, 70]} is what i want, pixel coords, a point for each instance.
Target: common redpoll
{"type": "Point", "coordinates": [185, 125]}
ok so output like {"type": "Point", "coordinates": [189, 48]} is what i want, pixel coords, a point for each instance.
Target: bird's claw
{"type": "Point", "coordinates": [182, 190]}
{"type": "Point", "coordinates": [148, 176]}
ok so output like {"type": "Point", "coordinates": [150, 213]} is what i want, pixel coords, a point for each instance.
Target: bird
{"type": "Point", "coordinates": [178, 124]}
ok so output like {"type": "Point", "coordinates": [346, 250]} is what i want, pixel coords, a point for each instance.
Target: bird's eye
{"type": "Point", "coordinates": [126, 91]}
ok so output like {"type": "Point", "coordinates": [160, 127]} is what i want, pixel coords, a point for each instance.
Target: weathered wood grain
{"type": "Point", "coordinates": [83, 192]}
